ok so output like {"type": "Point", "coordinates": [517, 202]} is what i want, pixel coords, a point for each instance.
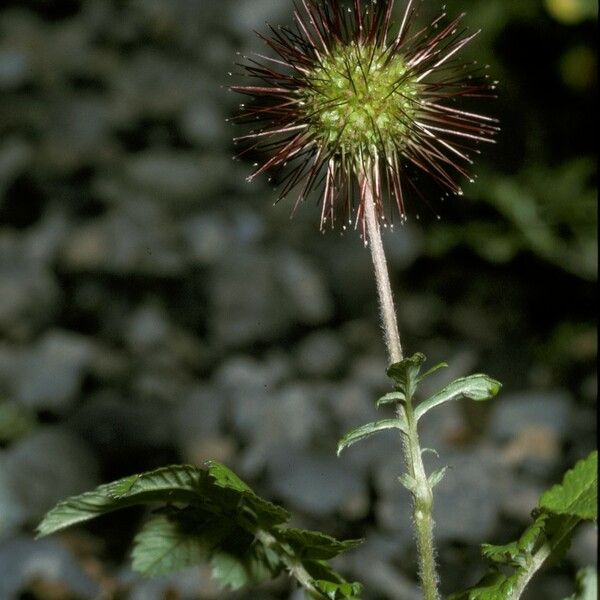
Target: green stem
{"type": "Point", "coordinates": [422, 492]}
{"type": "Point", "coordinates": [539, 558]}
{"type": "Point", "coordinates": [295, 567]}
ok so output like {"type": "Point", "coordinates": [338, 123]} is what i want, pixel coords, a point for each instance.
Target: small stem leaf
{"type": "Point", "coordinates": [442, 365]}
{"type": "Point", "coordinates": [475, 387]}
{"type": "Point", "coordinates": [365, 431]}
{"type": "Point", "coordinates": [436, 477]}
{"type": "Point", "coordinates": [391, 398]}
{"type": "Point", "coordinates": [431, 451]}
{"type": "Point", "coordinates": [408, 482]}
{"type": "Point", "coordinates": [577, 495]}
{"type": "Point", "coordinates": [405, 374]}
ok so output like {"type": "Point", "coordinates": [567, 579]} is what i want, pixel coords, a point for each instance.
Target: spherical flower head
{"type": "Point", "coordinates": [345, 103]}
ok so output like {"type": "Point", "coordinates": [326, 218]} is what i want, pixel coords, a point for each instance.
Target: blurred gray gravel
{"type": "Point", "coordinates": [156, 308]}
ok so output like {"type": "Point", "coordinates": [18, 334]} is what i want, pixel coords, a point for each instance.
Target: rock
{"type": "Point", "coordinates": [120, 430]}
{"type": "Point", "coordinates": [78, 134]}
{"type": "Point", "coordinates": [543, 409]}
{"type": "Point", "coordinates": [203, 124]}
{"type": "Point", "coordinates": [467, 501]}
{"type": "Point", "coordinates": [532, 425]}
{"type": "Point", "coordinates": [51, 373]}
{"type": "Point", "coordinates": [29, 293]}
{"type": "Point", "coordinates": [139, 241]}
{"type": "Point", "coordinates": [321, 354]}
{"type": "Point", "coordinates": [305, 289]}
{"type": "Point", "coordinates": [403, 246]}
{"type": "Point", "coordinates": [209, 238]}
{"type": "Point", "coordinates": [468, 498]}
{"type": "Point", "coordinates": [370, 370]}
{"type": "Point", "coordinates": [319, 485]}
{"type": "Point", "coordinates": [13, 513]}
{"type": "Point", "coordinates": [15, 155]}
{"type": "Point", "coordinates": [14, 68]}
{"type": "Point", "coordinates": [199, 415]}
{"type": "Point", "coordinates": [186, 584]}
{"type": "Point", "coordinates": [584, 547]}
{"type": "Point", "coordinates": [148, 328]}
{"type": "Point", "coordinates": [24, 561]}
{"type": "Point", "coordinates": [250, 15]}
{"type": "Point", "coordinates": [289, 417]}
{"type": "Point", "coordinates": [154, 85]}
{"type": "Point", "coordinates": [247, 302]}
{"type": "Point", "coordinates": [182, 177]}
{"type": "Point", "coordinates": [47, 466]}
{"type": "Point", "coordinates": [372, 564]}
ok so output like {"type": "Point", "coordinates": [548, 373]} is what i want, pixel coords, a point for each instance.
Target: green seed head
{"type": "Point", "coordinates": [359, 99]}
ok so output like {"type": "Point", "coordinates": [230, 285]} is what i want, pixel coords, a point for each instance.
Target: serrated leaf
{"type": "Point", "coordinates": [577, 495]}
{"type": "Point", "coordinates": [266, 513]}
{"type": "Point", "coordinates": [587, 585]}
{"type": "Point", "coordinates": [494, 586]}
{"type": "Point", "coordinates": [475, 387]}
{"type": "Point", "coordinates": [252, 567]}
{"type": "Point", "coordinates": [226, 478]}
{"type": "Point", "coordinates": [174, 484]}
{"type": "Point", "coordinates": [313, 544]}
{"type": "Point", "coordinates": [405, 374]}
{"type": "Point", "coordinates": [365, 431]}
{"type": "Point", "coordinates": [391, 398]}
{"type": "Point", "coordinates": [163, 546]}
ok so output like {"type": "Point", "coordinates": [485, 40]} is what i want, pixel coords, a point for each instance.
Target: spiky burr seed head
{"type": "Point", "coordinates": [344, 102]}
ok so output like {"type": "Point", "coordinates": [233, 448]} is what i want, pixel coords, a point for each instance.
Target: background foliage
{"type": "Point", "coordinates": [154, 308]}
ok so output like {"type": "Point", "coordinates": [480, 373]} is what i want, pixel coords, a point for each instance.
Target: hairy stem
{"type": "Point", "coordinates": [422, 492]}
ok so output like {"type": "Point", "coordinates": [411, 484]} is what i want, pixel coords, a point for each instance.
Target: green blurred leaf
{"type": "Point", "coordinates": [587, 585]}
{"type": "Point", "coordinates": [15, 421]}
{"type": "Point", "coordinates": [571, 12]}
{"type": "Point", "coordinates": [365, 431]}
{"type": "Point", "coordinates": [475, 387]}
{"type": "Point", "coordinates": [577, 495]}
